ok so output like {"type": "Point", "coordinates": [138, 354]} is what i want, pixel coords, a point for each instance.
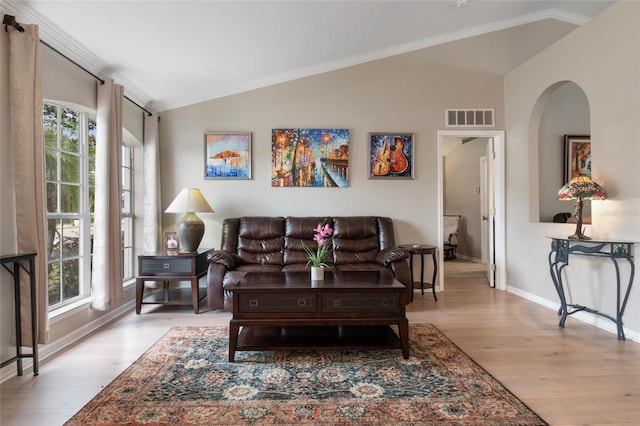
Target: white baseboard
{"type": "Point", "coordinates": [591, 319]}
{"type": "Point", "coordinates": [45, 351]}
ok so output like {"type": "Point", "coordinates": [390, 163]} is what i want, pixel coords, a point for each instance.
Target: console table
{"type": "Point", "coordinates": [17, 261]}
{"type": "Point", "coordinates": [563, 248]}
{"type": "Point", "coordinates": [167, 267]}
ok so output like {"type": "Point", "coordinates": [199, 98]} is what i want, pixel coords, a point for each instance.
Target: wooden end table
{"type": "Point", "coordinates": [169, 267]}
{"type": "Point", "coordinates": [421, 250]}
{"type": "Point", "coordinates": [347, 310]}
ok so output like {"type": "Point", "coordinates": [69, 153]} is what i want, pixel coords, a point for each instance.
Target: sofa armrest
{"type": "Point", "coordinates": [221, 257]}
{"type": "Point", "coordinates": [390, 255]}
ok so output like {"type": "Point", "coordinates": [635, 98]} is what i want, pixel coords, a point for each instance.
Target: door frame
{"type": "Point", "coordinates": [498, 164]}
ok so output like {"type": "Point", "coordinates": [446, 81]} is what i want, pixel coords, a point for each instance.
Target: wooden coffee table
{"type": "Point", "coordinates": [348, 310]}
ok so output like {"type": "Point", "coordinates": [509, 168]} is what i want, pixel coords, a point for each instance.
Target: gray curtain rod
{"type": "Point", "coordinates": [90, 73]}
{"type": "Point", "coordinates": [9, 20]}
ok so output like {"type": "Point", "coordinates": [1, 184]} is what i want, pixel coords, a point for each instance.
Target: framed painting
{"type": "Point", "coordinates": [577, 156]}
{"type": "Point", "coordinates": [310, 158]}
{"type": "Point", "coordinates": [171, 242]}
{"type": "Point", "coordinates": [391, 155]}
{"type": "Point", "coordinates": [227, 155]}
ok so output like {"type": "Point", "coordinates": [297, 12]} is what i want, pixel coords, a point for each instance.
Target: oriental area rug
{"type": "Point", "coordinates": [185, 379]}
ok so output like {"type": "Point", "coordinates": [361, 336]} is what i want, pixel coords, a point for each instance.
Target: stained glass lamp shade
{"type": "Point", "coordinates": [581, 188]}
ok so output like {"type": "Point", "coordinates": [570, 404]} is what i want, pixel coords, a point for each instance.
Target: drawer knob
{"type": "Point", "coordinates": [337, 303]}
{"type": "Point", "coordinates": [302, 302]}
{"type": "Point", "coordinates": [253, 302]}
{"type": "Point", "coordinates": [385, 302]}
{"type": "Point", "coordinates": [166, 265]}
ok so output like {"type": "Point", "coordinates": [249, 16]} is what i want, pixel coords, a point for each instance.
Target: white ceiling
{"type": "Point", "coordinates": [169, 54]}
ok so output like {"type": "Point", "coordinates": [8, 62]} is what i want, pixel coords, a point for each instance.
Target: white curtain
{"type": "Point", "coordinates": [106, 277]}
{"type": "Point", "coordinates": [151, 166]}
{"type": "Point", "coordinates": [25, 93]}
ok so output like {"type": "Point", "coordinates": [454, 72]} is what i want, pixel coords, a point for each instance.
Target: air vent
{"type": "Point", "coordinates": [469, 118]}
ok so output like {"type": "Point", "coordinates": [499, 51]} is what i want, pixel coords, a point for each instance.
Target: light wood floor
{"type": "Point", "coordinates": [573, 376]}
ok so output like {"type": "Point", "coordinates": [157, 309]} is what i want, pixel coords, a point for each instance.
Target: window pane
{"type": "Point", "coordinates": [126, 178]}
{"type": "Point", "coordinates": [54, 284]}
{"type": "Point", "coordinates": [54, 228]}
{"type": "Point", "coordinates": [70, 168]}
{"type": "Point", "coordinates": [51, 164]}
{"type": "Point", "coordinates": [127, 255]}
{"type": "Point", "coordinates": [70, 238]}
{"type": "Point", "coordinates": [70, 278]}
{"type": "Point", "coordinates": [70, 198]}
{"type": "Point", "coordinates": [50, 119]}
{"type": "Point", "coordinates": [52, 197]}
{"type": "Point", "coordinates": [69, 135]}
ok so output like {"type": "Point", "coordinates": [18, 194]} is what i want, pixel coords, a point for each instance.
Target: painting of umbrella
{"type": "Point", "coordinates": [227, 155]}
{"type": "Point", "coordinates": [310, 158]}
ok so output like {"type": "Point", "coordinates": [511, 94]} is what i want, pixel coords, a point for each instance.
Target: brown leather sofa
{"type": "Point", "coordinates": [254, 244]}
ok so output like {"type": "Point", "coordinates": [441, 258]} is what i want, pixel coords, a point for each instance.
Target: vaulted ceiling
{"type": "Point", "coordinates": [169, 54]}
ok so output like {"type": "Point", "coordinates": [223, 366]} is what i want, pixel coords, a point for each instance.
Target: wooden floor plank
{"type": "Point", "coordinates": [576, 375]}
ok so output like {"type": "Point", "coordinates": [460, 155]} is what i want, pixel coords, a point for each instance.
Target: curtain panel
{"type": "Point", "coordinates": [106, 277]}
{"type": "Point", "coordinates": [27, 144]}
{"type": "Point", "coordinates": [151, 172]}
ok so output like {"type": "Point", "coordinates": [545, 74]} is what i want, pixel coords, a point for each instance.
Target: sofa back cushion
{"type": "Point", "coordinates": [299, 230]}
{"type": "Point", "coordinates": [355, 239]}
{"type": "Point", "coordinates": [261, 240]}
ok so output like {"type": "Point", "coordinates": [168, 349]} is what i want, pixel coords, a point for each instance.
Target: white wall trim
{"type": "Point", "coordinates": [591, 319]}
{"type": "Point", "coordinates": [45, 351]}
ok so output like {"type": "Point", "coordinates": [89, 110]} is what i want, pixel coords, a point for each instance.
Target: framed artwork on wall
{"type": "Point", "coordinates": [577, 156]}
{"type": "Point", "coordinates": [310, 158]}
{"type": "Point", "coordinates": [391, 155]}
{"type": "Point", "coordinates": [227, 155]}
{"type": "Point", "coordinates": [171, 241]}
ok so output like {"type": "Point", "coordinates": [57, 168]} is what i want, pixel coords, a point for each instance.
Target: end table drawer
{"type": "Point", "coordinates": [361, 303]}
{"type": "Point", "coordinates": [276, 303]}
{"type": "Point", "coordinates": [166, 266]}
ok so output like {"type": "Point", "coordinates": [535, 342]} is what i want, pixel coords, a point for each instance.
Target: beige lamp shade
{"type": "Point", "coordinates": [190, 229]}
{"type": "Point", "coordinates": [189, 200]}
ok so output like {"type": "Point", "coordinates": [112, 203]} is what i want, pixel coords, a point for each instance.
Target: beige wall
{"type": "Point", "coordinates": [603, 58]}
{"type": "Point", "coordinates": [407, 93]}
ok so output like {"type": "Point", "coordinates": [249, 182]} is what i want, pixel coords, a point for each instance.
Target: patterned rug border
{"type": "Point", "coordinates": [83, 416]}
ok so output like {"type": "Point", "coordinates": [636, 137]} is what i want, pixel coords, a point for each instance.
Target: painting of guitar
{"type": "Point", "coordinates": [381, 166]}
{"type": "Point", "coordinates": [391, 155]}
{"type": "Point", "coordinates": [398, 161]}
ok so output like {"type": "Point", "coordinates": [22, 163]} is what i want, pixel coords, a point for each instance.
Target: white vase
{"type": "Point", "coordinates": [317, 273]}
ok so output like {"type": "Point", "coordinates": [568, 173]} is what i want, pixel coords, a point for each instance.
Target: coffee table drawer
{"type": "Point", "coordinates": [257, 302]}
{"type": "Point", "coordinates": [361, 303]}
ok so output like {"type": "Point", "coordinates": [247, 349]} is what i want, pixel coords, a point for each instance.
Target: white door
{"type": "Point", "coordinates": [496, 253]}
{"type": "Point", "coordinates": [489, 213]}
{"type": "Point", "coordinates": [484, 211]}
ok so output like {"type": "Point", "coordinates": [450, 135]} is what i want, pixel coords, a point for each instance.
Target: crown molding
{"type": "Point", "coordinates": [79, 54]}
{"type": "Point", "coordinates": [372, 56]}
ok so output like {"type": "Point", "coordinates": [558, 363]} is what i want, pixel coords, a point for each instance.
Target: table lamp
{"type": "Point", "coordinates": [190, 229]}
{"type": "Point", "coordinates": [580, 188]}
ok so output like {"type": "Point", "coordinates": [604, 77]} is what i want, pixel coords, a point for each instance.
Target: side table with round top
{"type": "Point", "coordinates": [421, 250]}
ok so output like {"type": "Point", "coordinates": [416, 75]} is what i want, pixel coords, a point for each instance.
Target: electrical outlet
{"type": "Point", "coordinates": [476, 189]}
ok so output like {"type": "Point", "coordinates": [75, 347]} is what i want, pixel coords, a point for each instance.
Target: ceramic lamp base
{"type": "Point", "coordinates": [190, 231]}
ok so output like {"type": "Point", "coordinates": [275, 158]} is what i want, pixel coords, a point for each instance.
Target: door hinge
{"type": "Point", "coordinates": [492, 267]}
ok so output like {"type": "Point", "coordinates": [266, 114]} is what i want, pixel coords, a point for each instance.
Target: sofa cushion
{"type": "Point", "coordinates": [299, 230]}
{"type": "Point", "coordinates": [355, 240]}
{"type": "Point", "coordinates": [260, 240]}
